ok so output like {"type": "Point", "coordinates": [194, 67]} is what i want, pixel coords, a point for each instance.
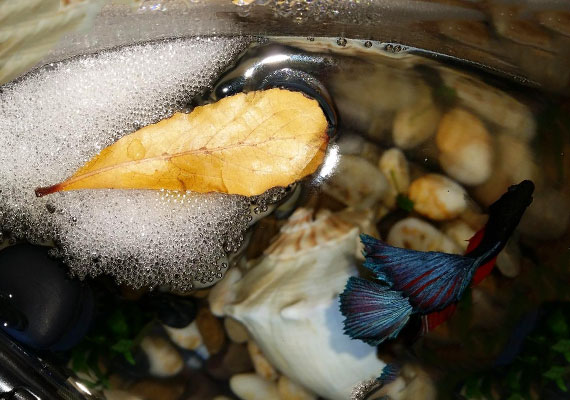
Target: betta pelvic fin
{"type": "Point", "coordinates": [430, 280]}
{"type": "Point", "coordinates": [373, 311]}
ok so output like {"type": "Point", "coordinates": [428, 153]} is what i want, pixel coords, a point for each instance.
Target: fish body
{"type": "Point", "coordinates": [425, 283]}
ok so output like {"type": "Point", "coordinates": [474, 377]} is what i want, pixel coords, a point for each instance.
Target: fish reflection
{"type": "Point", "coordinates": [425, 283]}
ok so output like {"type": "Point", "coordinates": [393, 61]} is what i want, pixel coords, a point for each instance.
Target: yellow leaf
{"type": "Point", "coordinates": [243, 144]}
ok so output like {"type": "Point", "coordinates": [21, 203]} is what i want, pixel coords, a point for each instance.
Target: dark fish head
{"type": "Point", "coordinates": [510, 208]}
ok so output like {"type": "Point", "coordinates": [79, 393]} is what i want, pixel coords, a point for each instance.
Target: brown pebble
{"type": "Point", "coordinates": [211, 330]}
{"type": "Point", "coordinates": [157, 390]}
{"type": "Point", "coordinates": [200, 386]}
{"type": "Point", "coordinates": [234, 360]}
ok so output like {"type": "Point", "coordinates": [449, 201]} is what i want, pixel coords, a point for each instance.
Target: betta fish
{"type": "Point", "coordinates": [426, 283]}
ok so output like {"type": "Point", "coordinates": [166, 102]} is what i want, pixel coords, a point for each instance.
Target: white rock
{"type": "Point", "coordinates": [459, 231]}
{"type": "Point", "coordinates": [395, 168]}
{"type": "Point", "coordinates": [253, 387]}
{"type": "Point", "coordinates": [437, 197]}
{"type": "Point", "coordinates": [164, 360]}
{"type": "Point", "coordinates": [492, 104]}
{"type": "Point", "coordinates": [413, 233]}
{"type": "Point", "coordinates": [465, 146]}
{"type": "Point", "coordinates": [415, 124]}
{"type": "Point", "coordinates": [188, 337]}
{"type": "Point", "coordinates": [289, 390]}
{"type": "Point", "coordinates": [261, 365]}
{"type": "Point", "coordinates": [236, 331]}
{"type": "Point", "coordinates": [221, 293]}
{"type": "Point", "coordinates": [356, 183]}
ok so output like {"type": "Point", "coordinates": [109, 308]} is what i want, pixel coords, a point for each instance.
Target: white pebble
{"type": "Point", "coordinates": [437, 197]}
{"type": "Point", "coordinates": [492, 104]}
{"type": "Point", "coordinates": [509, 260]}
{"type": "Point", "coordinates": [289, 390]}
{"type": "Point", "coordinates": [253, 387]}
{"type": "Point", "coordinates": [459, 231]}
{"type": "Point", "coordinates": [415, 124]}
{"type": "Point", "coordinates": [465, 146]}
{"type": "Point", "coordinates": [356, 182]}
{"type": "Point", "coordinates": [413, 233]}
{"type": "Point", "coordinates": [188, 337]}
{"type": "Point", "coordinates": [164, 360]}
{"type": "Point", "coordinates": [394, 166]}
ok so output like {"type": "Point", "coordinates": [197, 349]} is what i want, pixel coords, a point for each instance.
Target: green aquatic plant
{"type": "Point", "coordinates": [115, 334]}
{"type": "Point", "coordinates": [541, 368]}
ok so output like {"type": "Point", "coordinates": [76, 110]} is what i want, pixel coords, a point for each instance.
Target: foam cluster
{"type": "Point", "coordinates": [56, 118]}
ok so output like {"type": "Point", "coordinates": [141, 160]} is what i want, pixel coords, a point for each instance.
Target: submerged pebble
{"type": "Point", "coordinates": [415, 124]}
{"type": "Point", "coordinates": [460, 231]}
{"type": "Point", "coordinates": [437, 197]}
{"type": "Point", "coordinates": [356, 183]}
{"type": "Point", "coordinates": [394, 166]}
{"type": "Point", "coordinates": [253, 387]}
{"type": "Point", "coordinates": [413, 233]}
{"type": "Point", "coordinates": [509, 260]}
{"type": "Point", "coordinates": [188, 338]}
{"type": "Point", "coordinates": [289, 390]}
{"type": "Point", "coordinates": [211, 330]}
{"type": "Point", "coordinates": [465, 146]}
{"type": "Point", "coordinates": [164, 360]}
{"type": "Point", "coordinates": [492, 104]}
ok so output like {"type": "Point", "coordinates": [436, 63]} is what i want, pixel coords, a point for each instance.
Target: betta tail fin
{"type": "Point", "coordinates": [373, 312]}
{"type": "Point", "coordinates": [431, 280]}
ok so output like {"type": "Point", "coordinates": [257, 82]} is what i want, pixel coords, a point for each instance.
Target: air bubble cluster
{"type": "Point", "coordinates": [56, 118]}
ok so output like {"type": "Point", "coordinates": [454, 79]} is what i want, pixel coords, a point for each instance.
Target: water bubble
{"type": "Point", "coordinates": [55, 121]}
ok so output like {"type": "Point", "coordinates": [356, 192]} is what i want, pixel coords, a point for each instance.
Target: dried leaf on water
{"type": "Point", "coordinates": [243, 144]}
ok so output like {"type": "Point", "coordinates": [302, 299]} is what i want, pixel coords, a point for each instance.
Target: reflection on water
{"type": "Point", "coordinates": [418, 152]}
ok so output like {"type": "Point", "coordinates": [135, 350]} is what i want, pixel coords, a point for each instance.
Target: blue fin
{"type": "Point", "coordinates": [373, 312]}
{"type": "Point", "coordinates": [431, 280]}
{"type": "Point", "coordinates": [389, 374]}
